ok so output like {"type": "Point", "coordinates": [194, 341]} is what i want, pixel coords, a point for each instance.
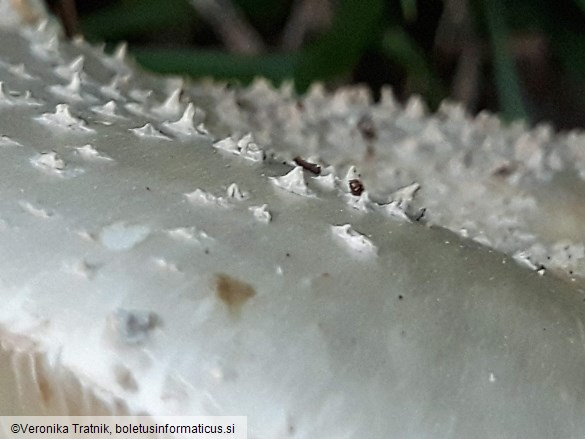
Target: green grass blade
{"type": "Point", "coordinates": [216, 64]}
{"type": "Point", "coordinates": [356, 25]}
{"type": "Point", "coordinates": [409, 10]}
{"type": "Point", "coordinates": [398, 46]}
{"type": "Point", "coordinates": [581, 5]}
{"type": "Point", "coordinates": [122, 20]}
{"type": "Point", "coordinates": [507, 81]}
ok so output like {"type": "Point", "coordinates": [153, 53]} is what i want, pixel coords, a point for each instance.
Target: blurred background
{"type": "Point", "coordinates": [522, 58]}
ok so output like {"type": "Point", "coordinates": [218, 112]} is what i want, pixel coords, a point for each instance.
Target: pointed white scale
{"type": "Point", "coordinates": [399, 202]}
{"type": "Point", "coordinates": [71, 91]}
{"type": "Point", "coordinates": [88, 152]}
{"type": "Point", "coordinates": [404, 196]}
{"type": "Point", "coordinates": [293, 182]}
{"type": "Point", "coordinates": [74, 85]}
{"type": "Point", "coordinates": [228, 145]}
{"type": "Point", "coordinates": [108, 110]}
{"type": "Point", "coordinates": [67, 71]}
{"type": "Point", "coordinates": [172, 83]}
{"type": "Point", "coordinates": [121, 51]}
{"type": "Point", "coordinates": [117, 61]}
{"type": "Point", "coordinates": [41, 28]}
{"type": "Point", "coordinates": [47, 49]}
{"type": "Point", "coordinates": [78, 40]}
{"type": "Point", "coordinates": [235, 193]}
{"type": "Point", "coordinates": [140, 95]}
{"type": "Point", "coordinates": [249, 149]}
{"type": "Point", "coordinates": [113, 89]}
{"type": "Point", "coordinates": [415, 107]}
{"type": "Point", "coordinates": [49, 162]}
{"type": "Point", "coordinates": [171, 107]}
{"type": "Point", "coordinates": [149, 131]}
{"type": "Point", "coordinates": [63, 119]}
{"type": "Point", "coordinates": [362, 202]}
{"type": "Point", "coordinates": [19, 71]}
{"type": "Point", "coordinates": [35, 210]}
{"type": "Point", "coordinates": [327, 181]}
{"type": "Point", "coordinates": [201, 197]}
{"type": "Point", "coordinates": [353, 240]}
{"type": "Point", "coordinates": [27, 99]}
{"type": "Point", "coordinates": [393, 210]}
{"type": "Point", "coordinates": [261, 213]}
{"type": "Point", "coordinates": [39, 32]}
{"type": "Point", "coordinates": [185, 126]}
{"type": "Point", "coordinates": [8, 142]}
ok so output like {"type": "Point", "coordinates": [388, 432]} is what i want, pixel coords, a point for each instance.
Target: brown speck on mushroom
{"type": "Point", "coordinates": [367, 128]}
{"type": "Point", "coordinates": [356, 187]}
{"type": "Point", "coordinates": [233, 292]}
{"type": "Point", "coordinates": [311, 167]}
{"type": "Point", "coordinates": [504, 170]}
{"type": "Point", "coordinates": [245, 104]}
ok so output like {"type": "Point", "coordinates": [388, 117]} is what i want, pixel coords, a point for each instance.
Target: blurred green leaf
{"type": "Point", "coordinates": [267, 15]}
{"type": "Point", "coordinates": [409, 10]}
{"type": "Point", "coordinates": [526, 15]}
{"type": "Point", "coordinates": [356, 25]}
{"type": "Point", "coordinates": [403, 49]}
{"type": "Point", "coordinates": [569, 47]}
{"type": "Point", "coordinates": [217, 64]}
{"type": "Point", "coordinates": [401, 31]}
{"type": "Point", "coordinates": [507, 82]}
{"type": "Point", "coordinates": [565, 30]}
{"type": "Point", "coordinates": [122, 20]}
{"type": "Point", "coordinates": [581, 5]}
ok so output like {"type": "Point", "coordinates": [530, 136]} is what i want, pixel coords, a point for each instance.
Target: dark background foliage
{"type": "Point", "coordinates": [522, 58]}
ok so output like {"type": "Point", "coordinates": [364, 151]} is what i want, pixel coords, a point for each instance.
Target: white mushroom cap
{"type": "Point", "coordinates": [134, 284]}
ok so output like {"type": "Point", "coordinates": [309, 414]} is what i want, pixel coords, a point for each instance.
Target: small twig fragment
{"type": "Point", "coordinates": [505, 170]}
{"type": "Point", "coordinates": [356, 187]}
{"type": "Point", "coordinates": [67, 12]}
{"type": "Point", "coordinates": [307, 16]}
{"type": "Point", "coordinates": [231, 25]}
{"type": "Point", "coordinates": [311, 167]}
